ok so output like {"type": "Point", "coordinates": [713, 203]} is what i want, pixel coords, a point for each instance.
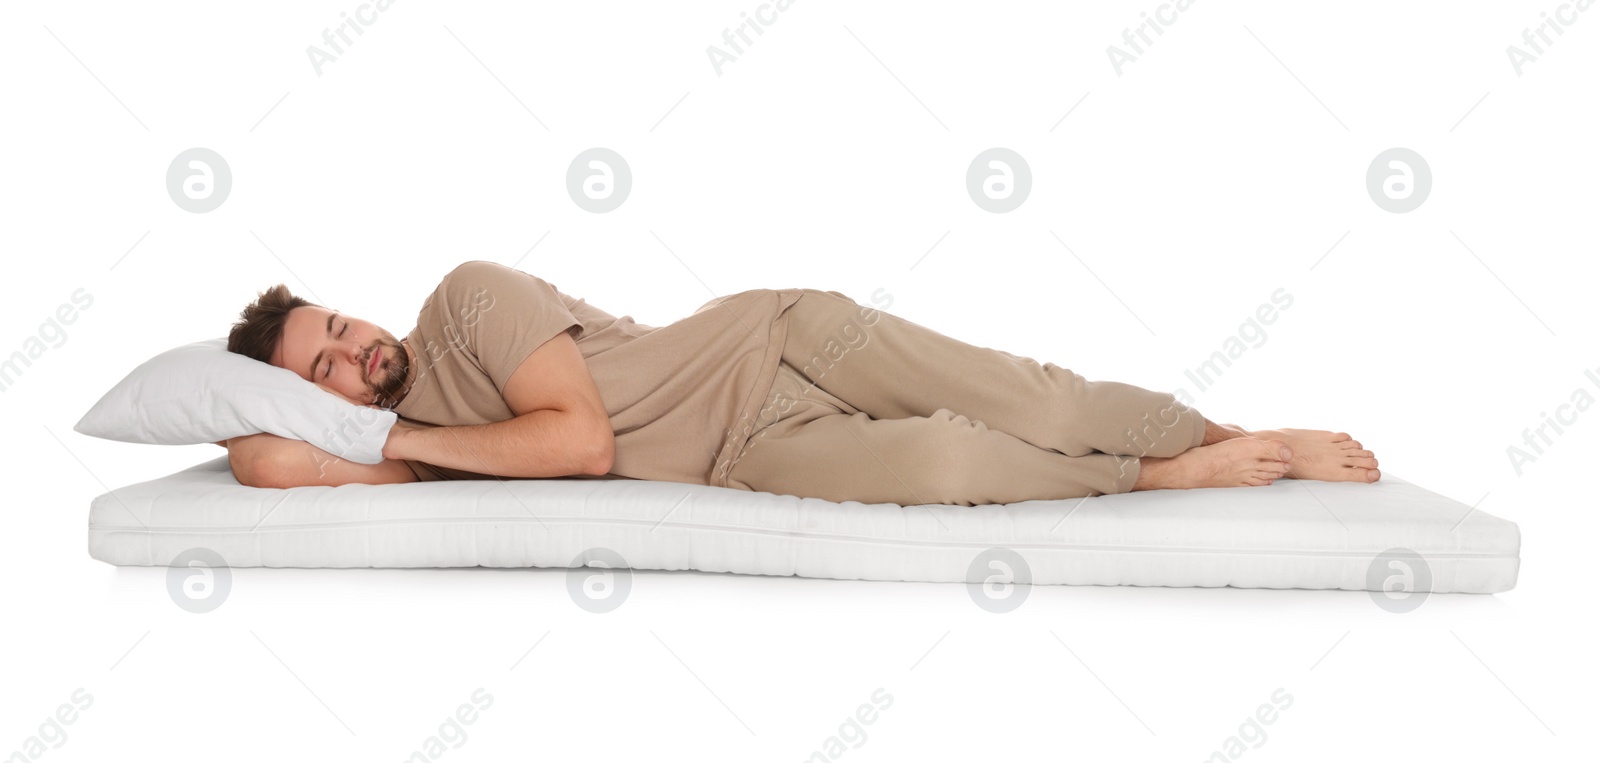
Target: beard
{"type": "Point", "coordinates": [387, 383]}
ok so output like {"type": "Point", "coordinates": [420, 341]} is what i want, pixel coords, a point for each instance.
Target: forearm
{"type": "Point", "coordinates": [264, 447]}
{"type": "Point", "coordinates": [548, 443]}
{"type": "Point", "coordinates": [267, 460]}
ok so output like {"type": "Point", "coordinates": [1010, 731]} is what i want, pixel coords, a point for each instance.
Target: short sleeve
{"type": "Point", "coordinates": [501, 315]}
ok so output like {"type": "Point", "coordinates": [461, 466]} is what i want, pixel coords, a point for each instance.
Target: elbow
{"type": "Point", "coordinates": [603, 455]}
{"type": "Point", "coordinates": [249, 466]}
{"type": "Point", "coordinates": [265, 468]}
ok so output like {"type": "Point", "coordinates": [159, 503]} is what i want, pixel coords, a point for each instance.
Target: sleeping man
{"type": "Point", "coordinates": [791, 391]}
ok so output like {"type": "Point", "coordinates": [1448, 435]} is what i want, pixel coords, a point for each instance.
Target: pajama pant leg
{"type": "Point", "coordinates": [822, 447]}
{"type": "Point", "coordinates": [891, 368]}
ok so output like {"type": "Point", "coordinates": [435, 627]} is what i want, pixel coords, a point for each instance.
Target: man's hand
{"type": "Point", "coordinates": [395, 448]}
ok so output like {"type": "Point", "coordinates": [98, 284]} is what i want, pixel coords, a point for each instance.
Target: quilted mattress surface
{"type": "Point", "coordinates": [1292, 534]}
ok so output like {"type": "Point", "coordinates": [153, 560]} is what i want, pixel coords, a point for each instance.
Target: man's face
{"type": "Point", "coordinates": [332, 349]}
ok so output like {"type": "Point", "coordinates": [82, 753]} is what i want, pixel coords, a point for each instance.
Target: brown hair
{"type": "Point", "coordinates": [260, 325]}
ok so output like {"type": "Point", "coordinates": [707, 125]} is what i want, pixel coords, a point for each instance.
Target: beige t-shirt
{"type": "Point", "coordinates": [683, 399]}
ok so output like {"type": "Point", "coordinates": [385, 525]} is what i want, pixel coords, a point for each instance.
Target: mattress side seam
{"type": "Point", "coordinates": [919, 542]}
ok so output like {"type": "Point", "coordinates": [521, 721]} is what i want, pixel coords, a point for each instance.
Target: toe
{"type": "Point", "coordinates": [1365, 463]}
{"type": "Point", "coordinates": [1373, 475]}
{"type": "Point", "coordinates": [1347, 474]}
{"type": "Point", "coordinates": [1340, 436]}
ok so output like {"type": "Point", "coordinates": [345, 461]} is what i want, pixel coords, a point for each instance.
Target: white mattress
{"type": "Point", "coordinates": [1291, 534]}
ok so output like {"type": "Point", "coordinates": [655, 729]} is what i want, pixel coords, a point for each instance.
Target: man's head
{"type": "Point", "coordinates": [322, 346]}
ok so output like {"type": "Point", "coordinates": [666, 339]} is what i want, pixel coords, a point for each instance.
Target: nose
{"type": "Point", "coordinates": [356, 351]}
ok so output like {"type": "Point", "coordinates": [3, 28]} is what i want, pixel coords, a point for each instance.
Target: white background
{"type": "Point", "coordinates": [1224, 163]}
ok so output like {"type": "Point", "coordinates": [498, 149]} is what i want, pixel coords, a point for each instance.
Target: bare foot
{"type": "Point", "coordinates": [1323, 455]}
{"type": "Point", "coordinates": [1236, 462]}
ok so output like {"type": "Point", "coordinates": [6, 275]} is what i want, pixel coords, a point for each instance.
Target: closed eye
{"type": "Point", "coordinates": [329, 372]}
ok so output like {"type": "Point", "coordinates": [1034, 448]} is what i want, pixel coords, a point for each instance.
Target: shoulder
{"type": "Point", "coordinates": [476, 278]}
{"type": "Point", "coordinates": [481, 271]}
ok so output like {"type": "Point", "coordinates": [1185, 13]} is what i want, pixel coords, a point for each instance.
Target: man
{"type": "Point", "coordinates": [792, 391]}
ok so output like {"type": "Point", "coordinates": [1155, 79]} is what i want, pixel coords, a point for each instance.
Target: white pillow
{"type": "Point", "coordinates": [201, 392]}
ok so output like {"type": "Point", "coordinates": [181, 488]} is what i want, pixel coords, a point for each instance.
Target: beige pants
{"type": "Point", "coordinates": [870, 407]}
